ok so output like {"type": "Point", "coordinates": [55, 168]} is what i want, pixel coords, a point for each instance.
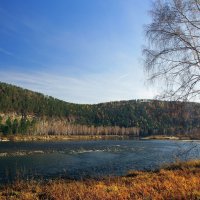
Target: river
{"type": "Point", "coordinates": [86, 159]}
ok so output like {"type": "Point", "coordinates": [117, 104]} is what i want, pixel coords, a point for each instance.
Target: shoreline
{"type": "Point", "coordinates": [19, 138]}
{"type": "Point", "coordinates": [24, 138]}
{"type": "Point", "coordinates": [165, 137]}
{"type": "Point", "coordinates": [176, 181]}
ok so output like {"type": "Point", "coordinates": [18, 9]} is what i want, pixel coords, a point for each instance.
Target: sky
{"type": "Point", "coordinates": [80, 51]}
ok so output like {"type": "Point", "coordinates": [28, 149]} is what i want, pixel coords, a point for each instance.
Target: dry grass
{"type": "Point", "coordinates": [20, 137]}
{"type": "Point", "coordinates": [160, 137]}
{"type": "Point", "coordinates": [179, 181]}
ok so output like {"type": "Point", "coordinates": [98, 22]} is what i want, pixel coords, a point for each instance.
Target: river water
{"type": "Point", "coordinates": [85, 159]}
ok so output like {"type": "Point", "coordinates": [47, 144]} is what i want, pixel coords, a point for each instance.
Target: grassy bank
{"type": "Point", "coordinates": [21, 137]}
{"type": "Point", "coordinates": [177, 181]}
{"type": "Point", "coordinates": [167, 137]}
{"type": "Point", "coordinates": [160, 137]}
{"type": "Point", "coordinates": [24, 137]}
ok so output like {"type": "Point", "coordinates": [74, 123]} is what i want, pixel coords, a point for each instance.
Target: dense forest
{"type": "Point", "coordinates": [25, 111]}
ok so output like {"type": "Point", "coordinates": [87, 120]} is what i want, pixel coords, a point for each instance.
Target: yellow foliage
{"type": "Point", "coordinates": [180, 181]}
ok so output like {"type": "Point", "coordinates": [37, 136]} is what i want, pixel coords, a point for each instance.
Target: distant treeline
{"type": "Point", "coordinates": [146, 116]}
{"type": "Point", "coordinates": [59, 127]}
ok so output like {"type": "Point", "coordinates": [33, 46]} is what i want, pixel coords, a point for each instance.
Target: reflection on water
{"type": "Point", "coordinates": [82, 159]}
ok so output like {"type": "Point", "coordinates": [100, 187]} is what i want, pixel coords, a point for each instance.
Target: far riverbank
{"type": "Point", "coordinates": [20, 137]}
{"type": "Point", "coordinates": [166, 137]}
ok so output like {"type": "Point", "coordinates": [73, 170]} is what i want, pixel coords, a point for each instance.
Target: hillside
{"type": "Point", "coordinates": [25, 111]}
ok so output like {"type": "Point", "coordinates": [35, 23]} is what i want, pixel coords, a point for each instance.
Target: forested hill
{"type": "Point", "coordinates": [149, 116]}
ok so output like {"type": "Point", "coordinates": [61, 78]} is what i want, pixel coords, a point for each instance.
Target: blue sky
{"type": "Point", "coordinates": [81, 51]}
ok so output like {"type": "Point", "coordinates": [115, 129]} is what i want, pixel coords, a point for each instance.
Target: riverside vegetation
{"type": "Point", "coordinates": [30, 113]}
{"type": "Point", "coordinates": [177, 181]}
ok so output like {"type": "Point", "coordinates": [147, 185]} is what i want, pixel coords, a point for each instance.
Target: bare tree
{"type": "Point", "coordinates": [173, 51]}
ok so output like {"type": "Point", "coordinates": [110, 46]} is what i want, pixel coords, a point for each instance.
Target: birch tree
{"type": "Point", "coordinates": [172, 55]}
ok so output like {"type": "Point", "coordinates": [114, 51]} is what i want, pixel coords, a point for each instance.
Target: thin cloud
{"type": "Point", "coordinates": [92, 88]}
